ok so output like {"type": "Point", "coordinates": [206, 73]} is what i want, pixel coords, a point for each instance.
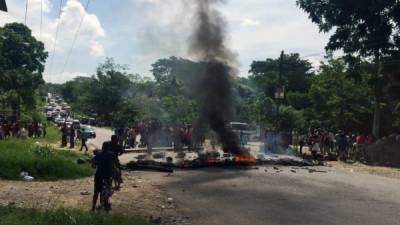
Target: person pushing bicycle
{"type": "Point", "coordinates": [105, 161]}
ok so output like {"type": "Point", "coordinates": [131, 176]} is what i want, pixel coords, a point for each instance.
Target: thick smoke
{"type": "Point", "coordinates": [214, 88]}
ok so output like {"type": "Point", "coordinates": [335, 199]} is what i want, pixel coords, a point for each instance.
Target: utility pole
{"type": "Point", "coordinates": [279, 93]}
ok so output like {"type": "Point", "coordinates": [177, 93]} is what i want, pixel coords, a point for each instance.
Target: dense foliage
{"type": "Point", "coordinates": [365, 30]}
{"type": "Point", "coordinates": [330, 97]}
{"type": "Point", "coordinates": [22, 60]}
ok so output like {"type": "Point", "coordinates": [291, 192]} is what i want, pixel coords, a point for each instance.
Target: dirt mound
{"type": "Point", "coordinates": [383, 152]}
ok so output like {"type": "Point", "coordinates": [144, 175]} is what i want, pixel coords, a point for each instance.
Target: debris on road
{"type": "Point", "coordinates": [316, 171]}
{"type": "Point", "coordinates": [149, 166]}
{"type": "Point", "coordinates": [25, 176]}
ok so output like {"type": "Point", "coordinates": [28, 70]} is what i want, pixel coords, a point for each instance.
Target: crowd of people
{"type": "Point", "coordinates": [153, 133]}
{"type": "Point", "coordinates": [70, 134]}
{"type": "Point", "coordinates": [323, 143]}
{"type": "Point", "coordinates": [16, 129]}
{"type": "Point", "coordinates": [327, 143]}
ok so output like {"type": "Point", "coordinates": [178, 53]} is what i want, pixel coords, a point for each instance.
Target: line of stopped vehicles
{"type": "Point", "coordinates": [58, 111]}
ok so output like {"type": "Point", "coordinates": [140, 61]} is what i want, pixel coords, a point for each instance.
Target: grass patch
{"type": "Point", "coordinates": [53, 135]}
{"type": "Point", "coordinates": [17, 216]}
{"type": "Point", "coordinates": [42, 163]}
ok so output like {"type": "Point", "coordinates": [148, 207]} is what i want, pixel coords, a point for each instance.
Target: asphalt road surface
{"type": "Point", "coordinates": [256, 197]}
{"type": "Point", "coordinates": [269, 197]}
{"type": "Point", "coordinates": [102, 135]}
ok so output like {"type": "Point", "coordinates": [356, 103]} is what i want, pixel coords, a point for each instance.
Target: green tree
{"type": "Point", "coordinates": [108, 90]}
{"type": "Point", "coordinates": [177, 76]}
{"type": "Point", "coordinates": [362, 29]}
{"type": "Point", "coordinates": [338, 100]}
{"type": "Point", "coordinates": [296, 74]}
{"type": "Point", "coordinates": [22, 60]}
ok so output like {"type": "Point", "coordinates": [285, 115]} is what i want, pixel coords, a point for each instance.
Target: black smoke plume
{"type": "Point", "coordinates": [214, 88]}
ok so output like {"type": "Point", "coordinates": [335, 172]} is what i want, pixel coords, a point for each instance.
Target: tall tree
{"type": "Point", "coordinates": [22, 60]}
{"type": "Point", "coordinates": [296, 74]}
{"type": "Point", "coordinates": [109, 89]}
{"type": "Point", "coordinates": [361, 28]}
{"type": "Point", "coordinates": [339, 101]}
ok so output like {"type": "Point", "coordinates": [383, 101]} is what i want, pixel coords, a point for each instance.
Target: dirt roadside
{"type": "Point", "coordinates": [137, 196]}
{"type": "Point", "coordinates": [366, 169]}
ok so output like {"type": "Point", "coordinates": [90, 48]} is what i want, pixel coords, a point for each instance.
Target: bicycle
{"type": "Point", "coordinates": [117, 177]}
{"type": "Point", "coordinates": [105, 194]}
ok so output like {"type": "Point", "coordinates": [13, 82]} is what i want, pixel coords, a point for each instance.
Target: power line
{"type": "Point", "coordinates": [55, 40]}
{"type": "Point", "coordinates": [75, 37]}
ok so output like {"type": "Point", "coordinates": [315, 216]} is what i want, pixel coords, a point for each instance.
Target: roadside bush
{"type": "Point", "coordinates": [17, 216]}
{"type": "Point", "coordinates": [42, 163]}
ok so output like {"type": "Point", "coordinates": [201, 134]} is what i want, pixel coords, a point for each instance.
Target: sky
{"type": "Point", "coordinates": [138, 32]}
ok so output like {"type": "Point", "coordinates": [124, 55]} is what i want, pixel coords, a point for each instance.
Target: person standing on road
{"type": "Point", "coordinates": [302, 143]}
{"type": "Point", "coordinates": [84, 139]}
{"type": "Point", "coordinates": [342, 143]}
{"type": "Point", "coordinates": [72, 137]}
{"type": "Point", "coordinates": [104, 161]}
{"type": "Point", "coordinates": [64, 134]}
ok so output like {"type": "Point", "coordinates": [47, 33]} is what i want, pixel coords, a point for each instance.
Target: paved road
{"type": "Point", "coordinates": [256, 197]}
{"type": "Point", "coordinates": [102, 135]}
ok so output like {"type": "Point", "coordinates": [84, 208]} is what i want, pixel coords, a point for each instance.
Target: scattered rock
{"type": "Point", "coordinates": [293, 171]}
{"type": "Point", "coordinates": [170, 200]}
{"type": "Point", "coordinates": [85, 193]}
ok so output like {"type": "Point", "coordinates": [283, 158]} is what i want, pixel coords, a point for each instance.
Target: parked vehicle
{"type": "Point", "coordinates": [76, 124]}
{"type": "Point", "coordinates": [49, 115]}
{"type": "Point", "coordinates": [88, 131]}
{"type": "Point", "coordinates": [242, 131]}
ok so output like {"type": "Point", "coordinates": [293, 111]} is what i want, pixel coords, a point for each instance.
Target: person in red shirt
{"type": "Point", "coordinates": [361, 139]}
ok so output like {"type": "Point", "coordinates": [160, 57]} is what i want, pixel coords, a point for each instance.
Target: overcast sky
{"type": "Point", "coordinates": [138, 32]}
